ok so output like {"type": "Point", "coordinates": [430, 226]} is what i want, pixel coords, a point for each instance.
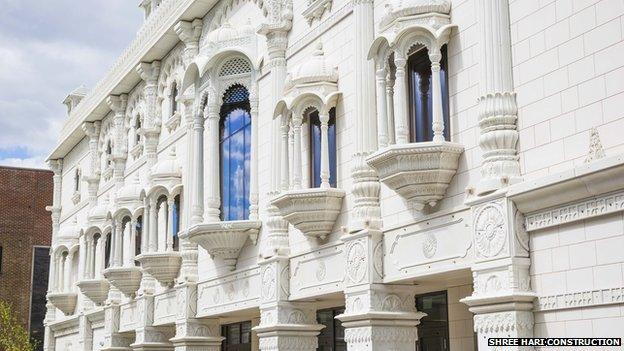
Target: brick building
{"type": "Point", "coordinates": [25, 233]}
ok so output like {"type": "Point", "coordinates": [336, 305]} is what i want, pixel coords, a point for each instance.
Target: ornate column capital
{"type": "Point", "coordinates": [117, 103]}
{"type": "Point", "coordinates": [189, 33]}
{"type": "Point", "coordinates": [149, 71]}
{"type": "Point", "coordinates": [56, 166]}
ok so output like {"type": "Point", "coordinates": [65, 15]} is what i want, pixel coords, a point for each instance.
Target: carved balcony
{"type": "Point", "coordinates": [95, 289]}
{"type": "Point", "coordinates": [64, 301]}
{"type": "Point", "coordinates": [312, 211]}
{"type": "Point", "coordinates": [418, 172]}
{"type": "Point", "coordinates": [163, 266]}
{"type": "Point", "coordinates": [224, 239]}
{"type": "Point", "coordinates": [126, 279]}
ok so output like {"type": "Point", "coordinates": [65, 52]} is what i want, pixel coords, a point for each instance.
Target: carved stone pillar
{"type": "Point", "coordinates": [117, 104]}
{"type": "Point", "coordinates": [85, 334]}
{"type": "Point", "coordinates": [377, 316]}
{"type": "Point", "coordinates": [189, 32]}
{"type": "Point", "coordinates": [92, 130]}
{"type": "Point", "coordinates": [55, 212]}
{"type": "Point", "coordinates": [502, 300]}
{"type": "Point", "coordinates": [149, 73]}
{"type": "Point", "coordinates": [276, 241]}
{"type": "Point", "coordinates": [253, 191]}
{"type": "Point", "coordinates": [212, 192]}
{"type": "Point", "coordinates": [365, 188]}
{"type": "Point", "coordinates": [193, 189]}
{"type": "Point", "coordinates": [283, 325]}
{"type": "Point", "coordinates": [113, 340]}
{"type": "Point", "coordinates": [194, 334]}
{"type": "Point", "coordinates": [498, 109]}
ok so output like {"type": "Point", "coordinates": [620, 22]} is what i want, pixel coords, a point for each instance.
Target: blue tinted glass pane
{"type": "Point", "coordinates": [315, 149]}
{"type": "Point", "coordinates": [235, 160]}
{"type": "Point", "coordinates": [176, 218]}
{"type": "Point", "coordinates": [237, 174]}
{"type": "Point", "coordinates": [331, 138]}
{"type": "Point", "coordinates": [225, 176]}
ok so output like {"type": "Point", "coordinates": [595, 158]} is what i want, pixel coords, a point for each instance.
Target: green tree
{"type": "Point", "coordinates": [13, 336]}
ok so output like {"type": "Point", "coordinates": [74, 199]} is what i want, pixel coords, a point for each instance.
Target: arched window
{"type": "Point", "coordinates": [107, 251]}
{"type": "Point", "coordinates": [93, 270]}
{"type": "Point", "coordinates": [137, 128]}
{"type": "Point", "coordinates": [77, 180]}
{"type": "Point", "coordinates": [420, 94]}
{"type": "Point", "coordinates": [315, 147]}
{"type": "Point", "coordinates": [235, 153]}
{"type": "Point", "coordinates": [174, 98]}
{"type": "Point", "coordinates": [138, 238]}
{"type": "Point", "coordinates": [109, 153]}
{"type": "Point", "coordinates": [176, 222]}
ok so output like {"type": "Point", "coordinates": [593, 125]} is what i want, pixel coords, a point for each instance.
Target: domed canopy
{"type": "Point", "coordinates": [226, 32]}
{"type": "Point", "coordinates": [429, 10]}
{"type": "Point", "coordinates": [131, 191]}
{"type": "Point", "coordinates": [70, 230]}
{"type": "Point", "coordinates": [168, 167]}
{"type": "Point", "coordinates": [313, 70]}
{"type": "Point", "coordinates": [99, 212]}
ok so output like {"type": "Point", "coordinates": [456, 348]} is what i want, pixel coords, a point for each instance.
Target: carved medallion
{"type": "Point", "coordinates": [268, 283]}
{"type": "Point", "coordinates": [356, 262]}
{"type": "Point", "coordinates": [321, 271]}
{"type": "Point", "coordinates": [430, 246]}
{"type": "Point", "coordinates": [490, 231]}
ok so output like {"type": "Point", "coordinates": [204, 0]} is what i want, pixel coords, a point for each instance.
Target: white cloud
{"type": "Point", "coordinates": [46, 50]}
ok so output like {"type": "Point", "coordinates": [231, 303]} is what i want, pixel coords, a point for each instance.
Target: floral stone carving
{"type": "Point", "coordinates": [419, 172]}
{"type": "Point", "coordinates": [490, 231]}
{"type": "Point", "coordinates": [313, 211]}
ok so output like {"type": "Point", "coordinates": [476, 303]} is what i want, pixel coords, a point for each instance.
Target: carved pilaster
{"type": "Point", "coordinates": [189, 32]}
{"type": "Point", "coordinates": [283, 325]}
{"type": "Point", "coordinates": [113, 340]}
{"type": "Point", "coordinates": [194, 334]}
{"type": "Point", "coordinates": [498, 109]}
{"type": "Point", "coordinates": [365, 188]}
{"type": "Point", "coordinates": [55, 210]}
{"type": "Point", "coordinates": [85, 334]}
{"type": "Point", "coordinates": [502, 298]}
{"type": "Point", "coordinates": [92, 130]}
{"type": "Point", "coordinates": [149, 73]}
{"type": "Point", "coordinates": [377, 316]}
{"type": "Point", "coordinates": [117, 104]}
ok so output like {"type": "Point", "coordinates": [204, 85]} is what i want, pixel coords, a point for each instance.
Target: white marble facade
{"type": "Point", "coordinates": [512, 204]}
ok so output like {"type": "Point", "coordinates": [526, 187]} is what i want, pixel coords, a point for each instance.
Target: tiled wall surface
{"type": "Point", "coordinates": [569, 77]}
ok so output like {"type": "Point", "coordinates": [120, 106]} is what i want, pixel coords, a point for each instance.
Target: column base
{"type": "Point", "coordinates": [300, 337]}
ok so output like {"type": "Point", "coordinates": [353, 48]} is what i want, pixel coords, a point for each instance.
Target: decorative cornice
{"type": "Point", "coordinates": [587, 298]}
{"type": "Point", "coordinates": [581, 210]}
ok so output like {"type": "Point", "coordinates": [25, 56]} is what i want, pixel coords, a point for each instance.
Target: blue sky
{"type": "Point", "coordinates": [47, 49]}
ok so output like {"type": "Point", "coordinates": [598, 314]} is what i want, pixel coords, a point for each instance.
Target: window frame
{"type": "Point", "coordinates": [421, 56]}
{"type": "Point", "coordinates": [422, 327]}
{"type": "Point", "coordinates": [312, 116]}
{"type": "Point", "coordinates": [331, 329]}
{"type": "Point", "coordinates": [239, 346]}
